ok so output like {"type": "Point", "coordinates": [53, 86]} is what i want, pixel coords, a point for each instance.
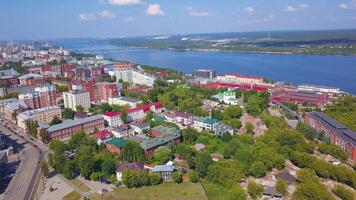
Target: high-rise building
{"type": "Point", "coordinates": [44, 96]}
{"type": "Point", "coordinates": [76, 98]}
{"type": "Point", "coordinates": [204, 74]}
{"type": "Point", "coordinates": [106, 90]}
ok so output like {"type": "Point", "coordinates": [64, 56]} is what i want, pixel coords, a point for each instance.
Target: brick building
{"type": "Point", "coordinates": [338, 133]}
{"type": "Point", "coordinates": [65, 130]}
{"type": "Point", "coordinates": [44, 96]}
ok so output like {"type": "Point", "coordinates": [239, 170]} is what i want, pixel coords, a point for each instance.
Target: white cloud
{"type": "Point", "coordinates": [107, 14]}
{"type": "Point", "coordinates": [249, 10]}
{"type": "Point", "coordinates": [268, 18]}
{"type": "Point", "coordinates": [194, 13]}
{"type": "Point", "coordinates": [154, 10]}
{"type": "Point", "coordinates": [87, 17]}
{"type": "Point", "coordinates": [128, 19]}
{"type": "Point", "coordinates": [199, 14]}
{"type": "Point", "coordinates": [124, 2]}
{"type": "Point", "coordinates": [348, 6]}
{"type": "Point", "coordinates": [299, 7]}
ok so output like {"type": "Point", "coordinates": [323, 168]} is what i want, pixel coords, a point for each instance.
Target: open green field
{"type": "Point", "coordinates": [81, 186]}
{"type": "Point", "coordinates": [72, 196]}
{"type": "Point", "coordinates": [166, 191]}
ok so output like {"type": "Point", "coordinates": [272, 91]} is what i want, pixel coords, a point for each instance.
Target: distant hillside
{"type": "Point", "coordinates": [303, 42]}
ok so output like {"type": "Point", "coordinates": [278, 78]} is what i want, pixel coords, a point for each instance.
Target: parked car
{"type": "Point", "coordinates": [102, 191]}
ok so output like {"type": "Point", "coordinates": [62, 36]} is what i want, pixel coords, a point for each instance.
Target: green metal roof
{"type": "Point", "coordinates": [117, 142]}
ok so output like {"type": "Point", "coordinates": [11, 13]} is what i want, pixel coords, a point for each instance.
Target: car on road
{"type": "Point", "coordinates": [105, 181]}
{"type": "Point", "coordinates": [102, 191]}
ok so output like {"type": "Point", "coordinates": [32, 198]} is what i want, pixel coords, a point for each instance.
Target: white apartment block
{"type": "Point", "coordinates": [41, 115]}
{"type": "Point", "coordinates": [240, 79]}
{"type": "Point", "coordinates": [142, 79]}
{"type": "Point", "coordinates": [113, 119]}
{"type": "Point", "coordinates": [76, 98]}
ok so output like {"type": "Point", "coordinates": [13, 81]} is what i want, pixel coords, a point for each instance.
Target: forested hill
{"type": "Point", "coordinates": [298, 42]}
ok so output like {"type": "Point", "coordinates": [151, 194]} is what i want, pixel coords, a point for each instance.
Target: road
{"type": "Point", "coordinates": [30, 154]}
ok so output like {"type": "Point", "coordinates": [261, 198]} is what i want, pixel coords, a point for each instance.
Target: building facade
{"type": "Point", "coordinates": [76, 98]}
{"type": "Point", "coordinates": [240, 79]}
{"type": "Point", "coordinates": [41, 115]}
{"type": "Point", "coordinates": [42, 97]}
{"type": "Point", "coordinates": [338, 133]}
{"type": "Point", "coordinates": [65, 130]}
{"type": "Point", "coordinates": [204, 74]}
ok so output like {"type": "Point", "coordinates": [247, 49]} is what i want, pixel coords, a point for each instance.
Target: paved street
{"type": "Point", "coordinates": [30, 154]}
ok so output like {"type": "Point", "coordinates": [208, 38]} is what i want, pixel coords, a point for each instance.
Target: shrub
{"type": "Point", "coordinates": [344, 193]}
{"type": "Point", "coordinates": [193, 176]}
{"type": "Point", "coordinates": [177, 177]}
{"type": "Point", "coordinates": [254, 189]}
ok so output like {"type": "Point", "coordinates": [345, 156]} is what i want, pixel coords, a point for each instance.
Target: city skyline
{"type": "Point", "coordinates": [124, 18]}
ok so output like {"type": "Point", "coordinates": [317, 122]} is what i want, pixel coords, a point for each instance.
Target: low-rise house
{"type": "Point", "coordinates": [124, 101]}
{"type": "Point", "coordinates": [180, 117]}
{"type": "Point", "coordinates": [139, 127]}
{"type": "Point", "coordinates": [165, 171]}
{"type": "Point", "coordinates": [123, 131]}
{"type": "Point", "coordinates": [259, 126]}
{"type": "Point", "coordinates": [112, 119]}
{"type": "Point", "coordinates": [271, 192]}
{"type": "Point", "coordinates": [66, 129]}
{"type": "Point", "coordinates": [227, 97]}
{"type": "Point", "coordinates": [205, 123]}
{"type": "Point", "coordinates": [220, 129]}
{"type": "Point", "coordinates": [115, 145]}
{"type": "Point", "coordinates": [199, 147]}
{"type": "Point", "coordinates": [130, 166]}
{"type": "Point", "coordinates": [162, 136]}
{"type": "Point", "coordinates": [209, 104]}
{"type": "Point", "coordinates": [286, 176]}
{"type": "Point", "coordinates": [103, 136]}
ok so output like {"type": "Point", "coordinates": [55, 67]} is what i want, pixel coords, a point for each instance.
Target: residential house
{"type": "Point", "coordinates": [199, 147]}
{"type": "Point", "coordinates": [124, 101]}
{"type": "Point", "coordinates": [103, 136]}
{"type": "Point", "coordinates": [130, 166]}
{"type": "Point", "coordinates": [115, 145]}
{"type": "Point", "coordinates": [123, 131]}
{"type": "Point", "coordinates": [139, 127]}
{"type": "Point", "coordinates": [220, 129]}
{"type": "Point", "coordinates": [183, 118]}
{"type": "Point", "coordinates": [205, 123]}
{"type": "Point", "coordinates": [165, 171]}
{"type": "Point", "coordinates": [112, 119]}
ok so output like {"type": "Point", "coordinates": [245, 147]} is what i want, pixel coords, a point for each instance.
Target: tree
{"type": "Point", "coordinates": [254, 189]}
{"type": "Point", "coordinates": [44, 136]}
{"type": "Point", "coordinates": [79, 108]}
{"type": "Point", "coordinates": [32, 126]}
{"type": "Point", "coordinates": [236, 192]}
{"type": "Point", "coordinates": [105, 107]}
{"type": "Point", "coordinates": [68, 113]}
{"type": "Point", "coordinates": [193, 176]}
{"type": "Point", "coordinates": [190, 135]}
{"type": "Point", "coordinates": [124, 117]}
{"type": "Point", "coordinates": [44, 168]}
{"type": "Point", "coordinates": [226, 137]}
{"type": "Point", "coordinates": [249, 128]}
{"type": "Point", "coordinates": [134, 178]}
{"type": "Point", "coordinates": [281, 186]}
{"type": "Point", "coordinates": [108, 167]}
{"type": "Point", "coordinates": [333, 150]}
{"type": "Point", "coordinates": [177, 177]}
{"type": "Point", "coordinates": [235, 123]}
{"type": "Point", "coordinates": [162, 155]}
{"type": "Point", "coordinates": [232, 112]}
{"type": "Point", "coordinates": [202, 163]}
{"type": "Point", "coordinates": [155, 179]}
{"type": "Point", "coordinates": [132, 152]}
{"type": "Point", "coordinates": [86, 165]}
{"type": "Point", "coordinates": [258, 169]}
{"type": "Point", "coordinates": [55, 120]}
{"type": "Point", "coordinates": [70, 170]}
{"type": "Point", "coordinates": [344, 193]}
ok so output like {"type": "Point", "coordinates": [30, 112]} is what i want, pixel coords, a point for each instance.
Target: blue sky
{"type": "Point", "coordinates": [53, 19]}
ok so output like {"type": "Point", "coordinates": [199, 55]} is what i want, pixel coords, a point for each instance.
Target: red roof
{"type": "Point", "coordinates": [145, 108]}
{"type": "Point", "coordinates": [217, 85]}
{"type": "Point", "coordinates": [104, 134]}
{"type": "Point", "coordinates": [111, 114]}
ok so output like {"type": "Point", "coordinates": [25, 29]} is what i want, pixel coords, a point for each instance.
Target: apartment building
{"type": "Point", "coordinates": [41, 97]}
{"type": "Point", "coordinates": [240, 79]}
{"type": "Point", "coordinates": [76, 98]}
{"type": "Point", "coordinates": [41, 115]}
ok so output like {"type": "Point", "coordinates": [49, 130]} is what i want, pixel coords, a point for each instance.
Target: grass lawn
{"type": "Point", "coordinates": [95, 196]}
{"type": "Point", "coordinates": [171, 191]}
{"type": "Point", "coordinates": [82, 187]}
{"type": "Point", "coordinates": [72, 196]}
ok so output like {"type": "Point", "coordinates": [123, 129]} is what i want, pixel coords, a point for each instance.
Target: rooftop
{"type": "Point", "coordinates": [70, 123]}
{"type": "Point", "coordinates": [117, 142]}
{"type": "Point", "coordinates": [164, 168]}
{"type": "Point", "coordinates": [132, 166]}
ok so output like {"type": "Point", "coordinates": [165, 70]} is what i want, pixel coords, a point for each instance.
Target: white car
{"type": "Point", "coordinates": [102, 191]}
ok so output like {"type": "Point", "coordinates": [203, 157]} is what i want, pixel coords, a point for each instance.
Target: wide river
{"type": "Point", "coordinates": [329, 70]}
